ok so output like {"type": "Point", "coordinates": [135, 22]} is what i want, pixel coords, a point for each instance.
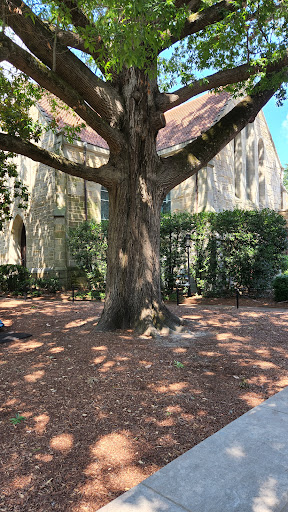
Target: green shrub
{"type": "Point", "coordinates": [88, 245]}
{"type": "Point", "coordinates": [284, 262]}
{"type": "Point", "coordinates": [45, 284]}
{"type": "Point", "coordinates": [280, 286]}
{"type": "Point", "coordinates": [229, 250]}
{"type": "Point", "coordinates": [14, 279]}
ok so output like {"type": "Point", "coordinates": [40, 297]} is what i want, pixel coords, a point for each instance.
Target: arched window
{"type": "Point", "coordinates": [261, 173]}
{"type": "Point", "coordinates": [238, 165]}
{"type": "Point", "coordinates": [17, 245]}
{"type": "Point", "coordinates": [23, 246]}
{"type": "Point", "coordinates": [250, 163]}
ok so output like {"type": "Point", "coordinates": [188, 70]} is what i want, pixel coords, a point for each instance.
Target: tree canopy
{"type": "Point", "coordinates": [114, 63]}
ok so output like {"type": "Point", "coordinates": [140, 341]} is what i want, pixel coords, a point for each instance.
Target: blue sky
{"type": "Point", "coordinates": [277, 120]}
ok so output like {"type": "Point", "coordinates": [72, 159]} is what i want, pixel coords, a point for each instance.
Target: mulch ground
{"type": "Point", "coordinates": [104, 411]}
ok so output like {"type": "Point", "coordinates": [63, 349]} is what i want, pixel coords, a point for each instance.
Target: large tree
{"type": "Point", "coordinates": [102, 59]}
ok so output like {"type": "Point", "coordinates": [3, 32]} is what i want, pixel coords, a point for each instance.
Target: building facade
{"type": "Point", "coordinates": [246, 174]}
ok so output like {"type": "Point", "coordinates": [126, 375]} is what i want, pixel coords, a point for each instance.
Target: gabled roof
{"type": "Point", "coordinates": [189, 120]}
{"type": "Point", "coordinates": [183, 123]}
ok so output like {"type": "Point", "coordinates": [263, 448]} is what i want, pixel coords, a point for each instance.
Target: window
{"type": "Point", "coordinates": [166, 205]}
{"type": "Point", "coordinates": [250, 163]}
{"type": "Point", "coordinates": [262, 194]}
{"type": "Point", "coordinates": [238, 165]}
{"type": "Point", "coordinates": [104, 203]}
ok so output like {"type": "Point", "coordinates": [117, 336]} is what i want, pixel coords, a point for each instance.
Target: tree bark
{"type": "Point", "coordinates": [133, 296]}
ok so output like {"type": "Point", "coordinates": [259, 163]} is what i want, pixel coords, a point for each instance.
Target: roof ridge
{"type": "Point", "coordinates": [184, 122]}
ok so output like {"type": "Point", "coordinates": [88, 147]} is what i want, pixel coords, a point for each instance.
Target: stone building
{"type": "Point", "coordinates": [246, 174]}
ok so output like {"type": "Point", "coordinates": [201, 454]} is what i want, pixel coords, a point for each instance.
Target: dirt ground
{"type": "Point", "coordinates": [104, 411]}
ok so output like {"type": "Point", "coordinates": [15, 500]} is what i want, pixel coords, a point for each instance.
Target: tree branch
{"type": "Point", "coordinates": [37, 36]}
{"type": "Point", "coordinates": [200, 20]}
{"type": "Point", "coordinates": [198, 153]}
{"type": "Point", "coordinates": [193, 5]}
{"type": "Point", "coordinates": [106, 175]}
{"type": "Point", "coordinates": [68, 38]}
{"type": "Point", "coordinates": [24, 61]}
{"type": "Point", "coordinates": [166, 101]}
{"type": "Point", "coordinates": [79, 19]}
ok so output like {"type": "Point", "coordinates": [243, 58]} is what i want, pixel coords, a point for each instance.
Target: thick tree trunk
{"type": "Point", "coordinates": [133, 295]}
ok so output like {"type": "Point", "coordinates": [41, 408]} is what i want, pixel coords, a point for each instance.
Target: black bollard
{"type": "Point", "coordinates": [237, 299]}
{"type": "Point", "coordinates": [73, 294]}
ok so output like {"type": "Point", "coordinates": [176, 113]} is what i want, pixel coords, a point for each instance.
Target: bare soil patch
{"type": "Point", "coordinates": [104, 411]}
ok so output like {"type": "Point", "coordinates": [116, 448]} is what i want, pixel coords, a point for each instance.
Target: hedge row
{"type": "Point", "coordinates": [229, 250]}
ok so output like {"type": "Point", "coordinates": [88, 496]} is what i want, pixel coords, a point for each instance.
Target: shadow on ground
{"type": "Point", "coordinates": [104, 411]}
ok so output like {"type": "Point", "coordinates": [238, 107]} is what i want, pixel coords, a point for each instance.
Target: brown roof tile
{"type": "Point", "coordinates": [183, 123]}
{"type": "Point", "coordinates": [189, 120]}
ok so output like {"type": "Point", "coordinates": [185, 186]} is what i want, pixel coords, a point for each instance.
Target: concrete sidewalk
{"type": "Point", "coordinates": [241, 468]}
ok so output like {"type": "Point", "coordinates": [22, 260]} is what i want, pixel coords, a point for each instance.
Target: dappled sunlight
{"type": "Point", "coordinates": [231, 336]}
{"type": "Point", "coordinates": [167, 422]}
{"type": "Point", "coordinates": [10, 402]}
{"type": "Point", "coordinates": [46, 334]}
{"type": "Point", "coordinates": [105, 410]}
{"type": "Point", "coordinates": [259, 380]}
{"type": "Point", "coordinates": [282, 382]}
{"type": "Point", "coordinates": [179, 350]}
{"type": "Point", "coordinates": [128, 477]}
{"type": "Point", "coordinates": [170, 388]}
{"type": "Point", "coordinates": [234, 347]}
{"type": "Point", "coordinates": [265, 364]}
{"type": "Point", "coordinates": [210, 354]}
{"type": "Point", "coordinates": [146, 363]}
{"type": "Point", "coordinates": [93, 486]}
{"type": "Point", "coordinates": [28, 346]}
{"type": "Point", "coordinates": [174, 409]}
{"type": "Point", "coordinates": [43, 457]}
{"type": "Point", "coordinates": [107, 366]}
{"type": "Point", "coordinates": [56, 350]}
{"type": "Point", "coordinates": [33, 377]}
{"type": "Point", "coordinates": [62, 442]}
{"type": "Point", "coordinates": [99, 360]}
{"type": "Point", "coordinates": [79, 322]}
{"type": "Point", "coordinates": [20, 482]}
{"type": "Point", "coordinates": [267, 499]}
{"type": "Point", "coordinates": [41, 421]}
{"type": "Point", "coordinates": [114, 449]}
{"type": "Point", "coordinates": [123, 259]}
{"type": "Point", "coordinates": [236, 451]}
{"type": "Point", "coordinates": [251, 399]}
{"type": "Point", "coordinates": [166, 441]}
{"type": "Point", "coordinates": [263, 352]}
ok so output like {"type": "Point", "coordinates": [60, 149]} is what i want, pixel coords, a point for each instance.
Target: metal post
{"type": "Point", "coordinates": [85, 182]}
{"type": "Point", "coordinates": [73, 294]}
{"type": "Point", "coordinates": [188, 262]}
{"type": "Point", "coordinates": [187, 244]}
{"type": "Point", "coordinates": [237, 299]}
{"type": "Point", "coordinates": [177, 295]}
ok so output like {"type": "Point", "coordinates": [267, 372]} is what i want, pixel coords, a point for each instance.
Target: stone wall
{"type": "Point", "coordinates": [38, 218]}
{"type": "Point", "coordinates": [245, 174]}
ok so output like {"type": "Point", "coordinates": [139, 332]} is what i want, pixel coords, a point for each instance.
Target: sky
{"type": "Point", "coordinates": [277, 120]}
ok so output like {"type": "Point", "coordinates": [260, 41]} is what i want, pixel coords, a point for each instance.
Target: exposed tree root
{"type": "Point", "coordinates": [154, 321]}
